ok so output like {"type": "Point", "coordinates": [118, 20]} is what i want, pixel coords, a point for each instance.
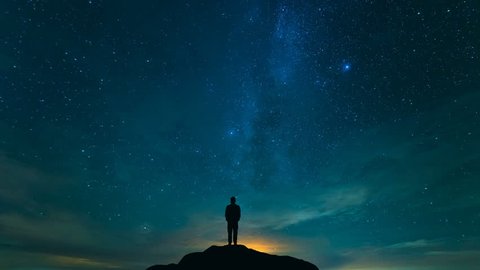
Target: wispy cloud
{"type": "Point", "coordinates": [420, 243]}
{"type": "Point", "coordinates": [401, 257]}
{"type": "Point", "coordinates": [70, 261]}
{"type": "Point", "coordinates": [37, 233]}
{"type": "Point", "coordinates": [314, 204]}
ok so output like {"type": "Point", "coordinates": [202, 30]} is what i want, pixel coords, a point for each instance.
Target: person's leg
{"type": "Point", "coordinates": [235, 233]}
{"type": "Point", "coordinates": [229, 230]}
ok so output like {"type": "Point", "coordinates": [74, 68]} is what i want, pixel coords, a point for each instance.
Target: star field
{"type": "Point", "coordinates": [347, 130]}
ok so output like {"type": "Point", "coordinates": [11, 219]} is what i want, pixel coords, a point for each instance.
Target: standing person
{"type": "Point", "coordinates": [232, 215]}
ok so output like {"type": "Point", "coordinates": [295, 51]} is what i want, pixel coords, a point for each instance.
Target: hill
{"type": "Point", "coordinates": [235, 258]}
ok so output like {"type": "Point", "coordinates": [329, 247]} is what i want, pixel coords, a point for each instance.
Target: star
{"type": "Point", "coordinates": [346, 67]}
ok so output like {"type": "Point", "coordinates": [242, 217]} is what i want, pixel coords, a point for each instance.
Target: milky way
{"type": "Point", "coordinates": [347, 130]}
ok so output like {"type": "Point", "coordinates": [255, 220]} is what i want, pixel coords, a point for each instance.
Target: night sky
{"type": "Point", "coordinates": [347, 130]}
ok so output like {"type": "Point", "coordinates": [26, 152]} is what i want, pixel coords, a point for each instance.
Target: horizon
{"type": "Point", "coordinates": [348, 131]}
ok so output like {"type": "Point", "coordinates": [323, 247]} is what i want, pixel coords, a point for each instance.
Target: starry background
{"type": "Point", "coordinates": [348, 130]}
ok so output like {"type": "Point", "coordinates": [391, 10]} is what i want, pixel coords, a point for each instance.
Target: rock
{"type": "Point", "coordinates": [235, 258]}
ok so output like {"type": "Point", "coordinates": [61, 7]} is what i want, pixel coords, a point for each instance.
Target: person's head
{"type": "Point", "coordinates": [233, 200]}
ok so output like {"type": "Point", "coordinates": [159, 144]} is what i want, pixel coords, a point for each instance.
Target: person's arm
{"type": "Point", "coordinates": [239, 213]}
{"type": "Point", "coordinates": [226, 213]}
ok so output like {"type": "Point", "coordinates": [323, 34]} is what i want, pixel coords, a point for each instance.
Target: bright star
{"type": "Point", "coordinates": [346, 67]}
{"type": "Point", "coordinates": [232, 132]}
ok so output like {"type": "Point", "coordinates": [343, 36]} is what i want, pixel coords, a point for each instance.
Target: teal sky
{"type": "Point", "coordinates": [347, 130]}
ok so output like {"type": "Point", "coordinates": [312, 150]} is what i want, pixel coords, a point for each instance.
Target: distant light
{"type": "Point", "coordinates": [346, 67]}
{"type": "Point", "coordinates": [232, 132]}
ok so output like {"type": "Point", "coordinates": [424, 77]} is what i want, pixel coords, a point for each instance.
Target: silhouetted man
{"type": "Point", "coordinates": [232, 215]}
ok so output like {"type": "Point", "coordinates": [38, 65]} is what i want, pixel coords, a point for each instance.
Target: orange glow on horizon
{"type": "Point", "coordinates": [263, 245]}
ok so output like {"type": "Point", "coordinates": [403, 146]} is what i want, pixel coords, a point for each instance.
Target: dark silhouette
{"type": "Point", "coordinates": [235, 258]}
{"type": "Point", "coordinates": [232, 215]}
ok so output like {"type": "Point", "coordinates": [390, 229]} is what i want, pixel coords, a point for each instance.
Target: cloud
{"type": "Point", "coordinates": [59, 229]}
{"type": "Point", "coordinates": [17, 181]}
{"type": "Point", "coordinates": [456, 253]}
{"type": "Point", "coordinates": [21, 259]}
{"type": "Point", "coordinates": [37, 232]}
{"type": "Point", "coordinates": [69, 261]}
{"type": "Point", "coordinates": [407, 256]}
{"type": "Point", "coordinates": [29, 221]}
{"type": "Point", "coordinates": [421, 243]}
{"type": "Point", "coordinates": [290, 210]}
{"type": "Point", "coordinates": [64, 240]}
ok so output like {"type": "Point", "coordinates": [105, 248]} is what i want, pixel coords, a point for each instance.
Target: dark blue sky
{"type": "Point", "coordinates": [348, 130]}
